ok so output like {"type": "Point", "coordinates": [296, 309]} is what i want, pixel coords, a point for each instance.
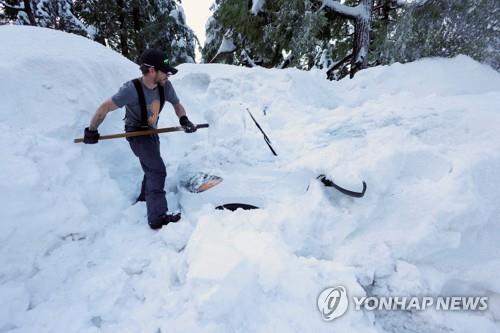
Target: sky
{"type": "Point", "coordinates": [197, 13]}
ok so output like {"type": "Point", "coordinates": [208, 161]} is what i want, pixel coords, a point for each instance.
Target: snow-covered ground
{"type": "Point", "coordinates": [76, 256]}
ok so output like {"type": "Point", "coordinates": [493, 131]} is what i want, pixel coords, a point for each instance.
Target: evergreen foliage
{"type": "Point", "coordinates": [127, 26]}
{"type": "Point", "coordinates": [305, 34]}
{"type": "Point", "coordinates": [445, 28]}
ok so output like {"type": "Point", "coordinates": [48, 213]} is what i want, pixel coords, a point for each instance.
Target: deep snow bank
{"type": "Point", "coordinates": [423, 135]}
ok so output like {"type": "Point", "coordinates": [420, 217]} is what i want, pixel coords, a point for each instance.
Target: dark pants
{"type": "Point", "coordinates": [147, 149]}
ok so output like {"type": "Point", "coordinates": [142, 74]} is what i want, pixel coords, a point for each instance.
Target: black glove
{"type": "Point", "coordinates": [189, 127]}
{"type": "Point", "coordinates": [90, 136]}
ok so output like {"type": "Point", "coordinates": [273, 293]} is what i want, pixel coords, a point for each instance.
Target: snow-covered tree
{"type": "Point", "coordinates": [165, 28]}
{"type": "Point", "coordinates": [343, 37]}
{"type": "Point", "coordinates": [263, 31]}
{"type": "Point", "coordinates": [219, 44]}
{"type": "Point", "coordinates": [54, 14]}
{"type": "Point", "coordinates": [130, 26]}
{"type": "Point", "coordinates": [312, 33]}
{"type": "Point", "coordinates": [12, 11]}
{"type": "Point", "coordinates": [361, 15]}
{"type": "Point", "coordinates": [445, 28]}
{"type": "Point", "coordinates": [58, 14]}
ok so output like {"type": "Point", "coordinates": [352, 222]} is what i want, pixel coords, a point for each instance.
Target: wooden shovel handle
{"type": "Point", "coordinates": [141, 133]}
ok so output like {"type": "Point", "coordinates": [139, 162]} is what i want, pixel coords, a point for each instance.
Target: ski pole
{"type": "Point", "coordinates": [262, 131]}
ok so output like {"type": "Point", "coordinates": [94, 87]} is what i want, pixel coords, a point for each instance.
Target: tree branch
{"type": "Point", "coordinates": [6, 5]}
{"type": "Point", "coordinates": [350, 12]}
{"type": "Point", "coordinates": [338, 64]}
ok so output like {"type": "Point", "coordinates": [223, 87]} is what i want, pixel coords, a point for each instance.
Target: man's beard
{"type": "Point", "coordinates": [160, 82]}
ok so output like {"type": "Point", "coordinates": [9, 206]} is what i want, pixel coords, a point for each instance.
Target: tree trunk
{"type": "Point", "coordinates": [29, 12]}
{"type": "Point", "coordinates": [362, 17]}
{"type": "Point", "coordinates": [123, 28]}
{"type": "Point", "coordinates": [361, 43]}
{"type": "Point", "coordinates": [136, 15]}
{"type": "Point", "coordinates": [386, 9]}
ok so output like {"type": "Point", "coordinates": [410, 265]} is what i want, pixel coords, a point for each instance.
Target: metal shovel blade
{"type": "Point", "coordinates": [200, 182]}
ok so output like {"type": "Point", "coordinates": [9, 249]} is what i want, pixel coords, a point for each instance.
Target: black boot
{"type": "Point", "coordinates": [164, 220]}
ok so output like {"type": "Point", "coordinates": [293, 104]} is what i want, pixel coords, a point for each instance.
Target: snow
{"type": "Point", "coordinates": [226, 45]}
{"type": "Point", "coordinates": [410, 2]}
{"type": "Point", "coordinates": [423, 135]}
{"type": "Point", "coordinates": [178, 15]}
{"type": "Point", "coordinates": [257, 6]}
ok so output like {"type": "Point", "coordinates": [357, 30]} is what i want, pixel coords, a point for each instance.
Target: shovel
{"type": "Point", "coordinates": [141, 133]}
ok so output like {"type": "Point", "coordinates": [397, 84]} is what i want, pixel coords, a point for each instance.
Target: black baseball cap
{"type": "Point", "coordinates": [158, 60]}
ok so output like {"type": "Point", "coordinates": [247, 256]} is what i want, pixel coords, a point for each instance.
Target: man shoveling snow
{"type": "Point", "coordinates": [143, 99]}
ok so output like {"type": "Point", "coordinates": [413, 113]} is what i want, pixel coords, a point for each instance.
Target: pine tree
{"type": "Point", "coordinates": [385, 13]}
{"type": "Point", "coordinates": [343, 38]}
{"type": "Point", "coordinates": [128, 26]}
{"type": "Point", "coordinates": [445, 28]}
{"type": "Point", "coordinates": [218, 43]}
{"type": "Point", "coordinates": [131, 26]}
{"type": "Point", "coordinates": [313, 33]}
{"type": "Point", "coordinates": [165, 28]}
{"type": "Point", "coordinates": [213, 38]}
{"type": "Point", "coordinates": [18, 11]}
{"type": "Point", "coordinates": [262, 36]}
{"type": "Point", "coordinates": [54, 14]}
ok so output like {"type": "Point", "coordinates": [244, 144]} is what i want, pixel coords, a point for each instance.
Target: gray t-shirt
{"type": "Point", "coordinates": [127, 96]}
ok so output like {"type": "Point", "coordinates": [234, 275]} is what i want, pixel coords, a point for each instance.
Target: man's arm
{"type": "Point", "coordinates": [101, 112]}
{"type": "Point", "coordinates": [189, 127]}
{"type": "Point", "coordinates": [179, 110]}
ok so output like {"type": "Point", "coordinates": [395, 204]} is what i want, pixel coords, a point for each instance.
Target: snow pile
{"type": "Point", "coordinates": [422, 135]}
